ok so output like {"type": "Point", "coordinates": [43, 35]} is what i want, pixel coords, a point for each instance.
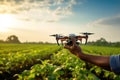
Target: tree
{"type": "Point", "coordinates": [12, 39]}
{"type": "Point", "coordinates": [1, 41]}
{"type": "Point", "coordinates": [102, 42]}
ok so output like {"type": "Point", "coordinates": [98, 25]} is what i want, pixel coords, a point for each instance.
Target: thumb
{"type": "Point", "coordinates": [73, 41]}
{"type": "Point", "coordinates": [69, 47]}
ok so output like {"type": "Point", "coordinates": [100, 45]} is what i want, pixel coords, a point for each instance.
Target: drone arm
{"type": "Point", "coordinates": [62, 42]}
{"type": "Point", "coordinates": [62, 39]}
{"type": "Point", "coordinates": [57, 42]}
{"type": "Point", "coordinates": [80, 40]}
{"type": "Point", "coordinates": [86, 41]}
{"type": "Point", "coordinates": [81, 37]}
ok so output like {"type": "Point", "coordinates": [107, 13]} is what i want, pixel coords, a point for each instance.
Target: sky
{"type": "Point", "coordinates": [35, 20]}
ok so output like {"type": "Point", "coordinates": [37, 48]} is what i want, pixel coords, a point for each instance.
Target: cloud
{"type": "Point", "coordinates": [47, 10]}
{"type": "Point", "coordinates": [113, 21]}
{"type": "Point", "coordinates": [9, 6]}
{"type": "Point", "coordinates": [51, 20]}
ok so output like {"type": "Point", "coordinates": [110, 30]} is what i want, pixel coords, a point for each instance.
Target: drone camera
{"type": "Point", "coordinates": [69, 41]}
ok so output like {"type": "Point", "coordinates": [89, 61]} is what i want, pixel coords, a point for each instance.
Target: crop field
{"type": "Point", "coordinates": [51, 62]}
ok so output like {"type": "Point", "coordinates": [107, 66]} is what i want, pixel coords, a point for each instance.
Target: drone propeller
{"type": "Point", "coordinates": [86, 33]}
{"type": "Point", "coordinates": [57, 36]}
{"type": "Point", "coordinates": [54, 35]}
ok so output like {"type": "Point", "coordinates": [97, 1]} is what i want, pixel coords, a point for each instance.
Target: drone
{"type": "Point", "coordinates": [68, 38]}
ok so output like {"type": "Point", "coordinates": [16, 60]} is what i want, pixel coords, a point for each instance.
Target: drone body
{"type": "Point", "coordinates": [68, 38]}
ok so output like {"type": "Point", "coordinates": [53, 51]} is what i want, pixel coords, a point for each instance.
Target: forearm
{"type": "Point", "coordinates": [102, 61]}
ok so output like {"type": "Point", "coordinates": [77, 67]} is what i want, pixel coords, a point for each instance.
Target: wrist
{"type": "Point", "coordinates": [80, 54]}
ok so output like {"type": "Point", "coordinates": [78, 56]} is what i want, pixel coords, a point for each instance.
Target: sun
{"type": "Point", "coordinates": [6, 22]}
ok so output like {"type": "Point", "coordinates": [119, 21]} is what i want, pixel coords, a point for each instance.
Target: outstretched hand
{"type": "Point", "coordinates": [74, 49]}
{"type": "Point", "coordinates": [102, 61]}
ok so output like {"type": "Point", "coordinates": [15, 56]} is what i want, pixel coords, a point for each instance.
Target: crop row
{"type": "Point", "coordinates": [61, 66]}
{"type": "Point", "coordinates": [11, 63]}
{"type": "Point", "coordinates": [44, 62]}
{"type": "Point", "coordinates": [101, 50]}
{"type": "Point", "coordinates": [64, 66]}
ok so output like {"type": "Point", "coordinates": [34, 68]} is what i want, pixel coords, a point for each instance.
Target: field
{"type": "Point", "coordinates": [51, 62]}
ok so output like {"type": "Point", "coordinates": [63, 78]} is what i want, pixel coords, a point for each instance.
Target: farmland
{"type": "Point", "coordinates": [51, 62]}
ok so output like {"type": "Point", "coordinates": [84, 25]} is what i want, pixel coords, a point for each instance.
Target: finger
{"type": "Point", "coordinates": [67, 46]}
{"type": "Point", "coordinates": [73, 41]}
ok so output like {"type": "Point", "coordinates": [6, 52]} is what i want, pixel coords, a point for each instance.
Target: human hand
{"type": "Point", "coordinates": [74, 49]}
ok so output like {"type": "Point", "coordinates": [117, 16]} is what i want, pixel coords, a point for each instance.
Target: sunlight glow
{"type": "Point", "coordinates": [6, 22]}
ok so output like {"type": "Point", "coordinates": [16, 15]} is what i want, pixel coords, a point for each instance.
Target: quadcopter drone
{"type": "Point", "coordinates": [68, 38]}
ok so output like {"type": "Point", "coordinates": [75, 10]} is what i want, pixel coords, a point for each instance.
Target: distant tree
{"type": "Point", "coordinates": [46, 42]}
{"type": "Point", "coordinates": [1, 41]}
{"type": "Point", "coordinates": [101, 40]}
{"type": "Point", "coordinates": [116, 44]}
{"type": "Point", "coordinates": [40, 42]}
{"type": "Point", "coordinates": [12, 39]}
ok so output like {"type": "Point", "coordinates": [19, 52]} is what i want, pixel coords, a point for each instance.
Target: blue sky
{"type": "Point", "coordinates": [35, 20]}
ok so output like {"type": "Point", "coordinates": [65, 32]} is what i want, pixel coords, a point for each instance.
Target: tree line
{"type": "Point", "coordinates": [99, 42]}
{"type": "Point", "coordinates": [11, 39]}
{"type": "Point", "coordinates": [15, 39]}
{"type": "Point", "coordinates": [104, 42]}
